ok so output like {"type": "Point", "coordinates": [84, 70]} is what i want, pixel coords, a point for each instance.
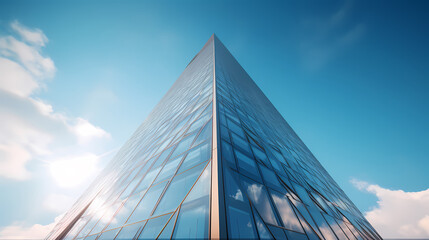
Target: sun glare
{"type": "Point", "coordinates": [72, 172]}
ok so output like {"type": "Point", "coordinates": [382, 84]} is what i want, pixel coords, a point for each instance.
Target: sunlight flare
{"type": "Point", "coordinates": [72, 172]}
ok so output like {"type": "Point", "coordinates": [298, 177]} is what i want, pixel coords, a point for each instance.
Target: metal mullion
{"type": "Point", "coordinates": [168, 222]}
{"type": "Point", "coordinates": [184, 127]}
{"type": "Point", "coordinates": [149, 185]}
{"type": "Point", "coordinates": [123, 183]}
{"type": "Point", "coordinates": [177, 169]}
{"type": "Point", "coordinates": [254, 220]}
{"type": "Point", "coordinates": [175, 221]}
{"type": "Point", "coordinates": [106, 209]}
{"type": "Point", "coordinates": [185, 133]}
{"type": "Point", "coordinates": [180, 205]}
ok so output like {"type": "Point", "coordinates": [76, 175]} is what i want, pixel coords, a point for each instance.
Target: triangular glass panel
{"type": "Point", "coordinates": [168, 229]}
{"type": "Point", "coordinates": [178, 189]}
{"type": "Point", "coordinates": [153, 227]}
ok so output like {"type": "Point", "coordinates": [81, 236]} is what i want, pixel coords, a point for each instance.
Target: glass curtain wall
{"type": "Point", "coordinates": [274, 188]}
{"type": "Point", "coordinates": [270, 185]}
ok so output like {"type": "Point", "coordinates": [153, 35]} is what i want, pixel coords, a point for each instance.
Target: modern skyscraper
{"type": "Point", "coordinates": [214, 159]}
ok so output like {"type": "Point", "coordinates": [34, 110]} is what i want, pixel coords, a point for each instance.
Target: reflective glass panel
{"type": "Point", "coordinates": [145, 207]}
{"type": "Point", "coordinates": [131, 231]}
{"type": "Point", "coordinates": [153, 227]}
{"type": "Point", "coordinates": [258, 195]}
{"type": "Point", "coordinates": [246, 164]}
{"type": "Point", "coordinates": [179, 187]}
{"type": "Point", "coordinates": [168, 230]}
{"type": "Point", "coordinates": [169, 169]}
{"type": "Point", "coordinates": [196, 156]}
{"type": "Point", "coordinates": [193, 220]}
{"type": "Point", "coordinates": [289, 219]}
{"type": "Point", "coordinates": [241, 224]}
{"type": "Point", "coordinates": [262, 229]}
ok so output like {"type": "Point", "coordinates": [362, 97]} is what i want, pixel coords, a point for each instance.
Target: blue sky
{"type": "Point", "coordinates": [350, 77]}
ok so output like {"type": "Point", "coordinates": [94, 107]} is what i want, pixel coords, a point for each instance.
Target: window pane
{"type": "Point", "coordinates": [227, 154]}
{"type": "Point", "coordinates": [289, 219]}
{"type": "Point", "coordinates": [205, 134]}
{"type": "Point", "coordinates": [146, 205]}
{"type": "Point", "coordinates": [270, 178]}
{"type": "Point", "coordinates": [260, 155]}
{"type": "Point", "coordinates": [169, 169]}
{"type": "Point", "coordinates": [295, 235]}
{"type": "Point", "coordinates": [130, 231]}
{"type": "Point", "coordinates": [258, 195]}
{"type": "Point", "coordinates": [154, 227]}
{"type": "Point", "coordinates": [246, 164]}
{"type": "Point", "coordinates": [147, 180]}
{"type": "Point", "coordinates": [160, 160]}
{"type": "Point", "coordinates": [202, 186]}
{"type": "Point", "coordinates": [308, 219]}
{"type": "Point", "coordinates": [193, 220]}
{"type": "Point", "coordinates": [241, 143]}
{"type": "Point", "coordinates": [195, 156]}
{"type": "Point", "coordinates": [277, 232]}
{"type": "Point", "coordinates": [233, 191]}
{"type": "Point", "coordinates": [323, 226]}
{"type": "Point", "coordinates": [346, 230]}
{"type": "Point", "coordinates": [184, 145]}
{"type": "Point", "coordinates": [340, 234]}
{"type": "Point", "coordinates": [236, 128]}
{"type": "Point", "coordinates": [130, 188]}
{"type": "Point", "coordinates": [239, 218]}
{"type": "Point", "coordinates": [179, 187]}
{"type": "Point", "coordinates": [303, 195]}
{"type": "Point", "coordinates": [240, 224]}
{"type": "Point", "coordinates": [168, 230]}
{"type": "Point", "coordinates": [262, 229]}
{"type": "Point", "coordinates": [107, 216]}
{"type": "Point", "coordinates": [109, 234]}
{"type": "Point", "coordinates": [123, 214]}
{"type": "Point", "coordinates": [224, 133]}
{"type": "Point", "coordinates": [199, 123]}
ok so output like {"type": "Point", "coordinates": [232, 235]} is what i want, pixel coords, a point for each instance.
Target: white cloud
{"type": "Point", "coordinates": [30, 57]}
{"type": "Point", "coordinates": [15, 158]}
{"type": "Point", "coordinates": [31, 128]}
{"type": "Point", "coordinates": [33, 36]}
{"type": "Point", "coordinates": [86, 131]}
{"type": "Point", "coordinates": [16, 79]}
{"type": "Point", "coordinates": [19, 230]}
{"type": "Point", "coordinates": [399, 214]}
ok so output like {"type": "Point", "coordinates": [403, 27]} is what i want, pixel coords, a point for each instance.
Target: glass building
{"type": "Point", "coordinates": [214, 159]}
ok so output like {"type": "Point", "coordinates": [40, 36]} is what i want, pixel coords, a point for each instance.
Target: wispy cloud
{"type": "Point", "coordinates": [33, 36]}
{"type": "Point", "coordinates": [398, 214]}
{"type": "Point", "coordinates": [30, 128]}
{"type": "Point", "coordinates": [19, 230]}
{"type": "Point", "coordinates": [323, 38]}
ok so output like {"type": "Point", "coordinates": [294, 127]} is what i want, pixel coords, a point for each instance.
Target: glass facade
{"type": "Point", "coordinates": [214, 159]}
